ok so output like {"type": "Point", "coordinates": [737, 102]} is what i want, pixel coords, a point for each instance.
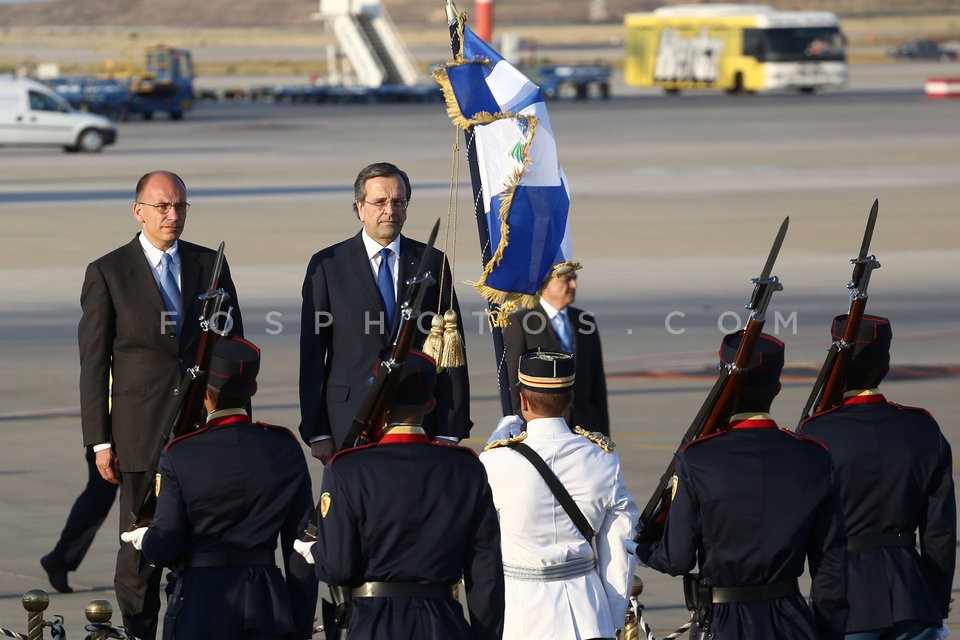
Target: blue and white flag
{"type": "Point", "coordinates": [524, 192]}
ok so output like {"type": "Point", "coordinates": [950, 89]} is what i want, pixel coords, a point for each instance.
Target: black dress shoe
{"type": "Point", "coordinates": [56, 574]}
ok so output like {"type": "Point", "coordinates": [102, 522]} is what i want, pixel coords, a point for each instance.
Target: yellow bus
{"type": "Point", "coordinates": [734, 48]}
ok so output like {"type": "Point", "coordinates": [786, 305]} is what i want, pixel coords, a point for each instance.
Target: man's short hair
{"type": "Point", "coordinates": [548, 404]}
{"type": "Point", "coordinates": [145, 178]}
{"type": "Point", "coordinates": [377, 170]}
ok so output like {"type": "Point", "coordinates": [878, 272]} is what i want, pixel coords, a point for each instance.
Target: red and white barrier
{"type": "Point", "coordinates": [942, 87]}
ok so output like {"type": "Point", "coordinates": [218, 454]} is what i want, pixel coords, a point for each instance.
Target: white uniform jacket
{"type": "Point", "coordinates": [536, 532]}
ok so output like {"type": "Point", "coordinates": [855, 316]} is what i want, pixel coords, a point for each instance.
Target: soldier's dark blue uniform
{"type": "Point", "coordinates": [405, 513]}
{"type": "Point", "coordinates": [895, 479]}
{"type": "Point", "coordinates": [224, 494]}
{"type": "Point", "coordinates": [751, 504]}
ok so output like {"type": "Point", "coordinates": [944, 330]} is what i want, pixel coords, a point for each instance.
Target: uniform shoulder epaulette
{"type": "Point", "coordinates": [506, 442]}
{"type": "Point", "coordinates": [906, 407]}
{"type": "Point", "coordinates": [602, 441]}
{"type": "Point", "coordinates": [276, 427]}
{"type": "Point", "coordinates": [803, 438]}
{"type": "Point", "coordinates": [343, 452]}
{"type": "Point", "coordinates": [183, 437]}
{"type": "Point", "coordinates": [715, 434]}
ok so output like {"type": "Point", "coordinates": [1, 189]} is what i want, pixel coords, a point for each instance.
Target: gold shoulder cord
{"type": "Point", "coordinates": [506, 442]}
{"type": "Point", "coordinates": [602, 441]}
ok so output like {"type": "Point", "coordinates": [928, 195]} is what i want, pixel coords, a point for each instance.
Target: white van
{"type": "Point", "coordinates": [33, 114]}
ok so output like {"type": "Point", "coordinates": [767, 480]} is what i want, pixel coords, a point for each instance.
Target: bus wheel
{"type": "Point", "coordinates": [807, 90]}
{"type": "Point", "coordinates": [671, 91]}
{"type": "Point", "coordinates": [737, 85]}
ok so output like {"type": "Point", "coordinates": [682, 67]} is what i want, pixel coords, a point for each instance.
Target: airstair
{"type": "Point", "coordinates": [368, 50]}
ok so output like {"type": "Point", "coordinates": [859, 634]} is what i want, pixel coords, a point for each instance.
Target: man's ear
{"type": "Point", "coordinates": [524, 403]}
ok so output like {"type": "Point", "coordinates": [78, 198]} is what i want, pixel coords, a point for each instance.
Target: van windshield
{"type": "Point", "coordinates": [42, 102]}
{"type": "Point", "coordinates": [794, 44]}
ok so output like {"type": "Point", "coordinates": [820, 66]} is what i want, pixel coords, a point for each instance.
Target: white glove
{"type": "Point", "coordinates": [943, 632]}
{"type": "Point", "coordinates": [134, 537]}
{"type": "Point", "coordinates": [630, 546]}
{"type": "Point", "coordinates": [508, 427]}
{"type": "Point", "coordinates": [304, 548]}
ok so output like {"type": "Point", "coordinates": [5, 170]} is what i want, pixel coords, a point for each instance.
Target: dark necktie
{"type": "Point", "coordinates": [385, 284]}
{"type": "Point", "coordinates": [170, 289]}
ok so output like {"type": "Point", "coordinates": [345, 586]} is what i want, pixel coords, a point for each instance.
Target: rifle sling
{"type": "Point", "coordinates": [559, 491]}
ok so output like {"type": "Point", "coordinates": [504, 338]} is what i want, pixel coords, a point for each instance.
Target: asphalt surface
{"type": "Point", "coordinates": [675, 203]}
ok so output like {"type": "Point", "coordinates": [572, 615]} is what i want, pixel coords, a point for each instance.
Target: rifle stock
{"type": "Point", "coordinates": [714, 414]}
{"type": "Point", "coordinates": [191, 392]}
{"type": "Point", "coordinates": [828, 389]}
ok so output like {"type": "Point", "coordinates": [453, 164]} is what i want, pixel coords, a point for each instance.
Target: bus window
{"type": "Point", "coordinates": [798, 44]}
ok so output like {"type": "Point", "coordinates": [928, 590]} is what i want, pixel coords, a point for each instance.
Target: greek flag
{"type": "Point", "coordinates": [523, 190]}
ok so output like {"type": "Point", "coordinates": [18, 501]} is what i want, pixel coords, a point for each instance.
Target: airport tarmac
{"type": "Point", "coordinates": [675, 202]}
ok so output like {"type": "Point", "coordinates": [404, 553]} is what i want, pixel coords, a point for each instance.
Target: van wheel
{"type": "Point", "coordinates": [90, 141]}
{"type": "Point", "coordinates": [148, 115]}
{"type": "Point", "coordinates": [176, 115]}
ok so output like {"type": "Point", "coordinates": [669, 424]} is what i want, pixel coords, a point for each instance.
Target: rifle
{"type": "Point", "coordinates": [192, 389]}
{"type": "Point", "coordinates": [371, 415]}
{"type": "Point", "coordinates": [714, 414]}
{"type": "Point", "coordinates": [828, 389]}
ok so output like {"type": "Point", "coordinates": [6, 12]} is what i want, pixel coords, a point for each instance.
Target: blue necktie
{"type": "Point", "coordinates": [385, 284]}
{"type": "Point", "coordinates": [563, 332]}
{"type": "Point", "coordinates": [170, 289]}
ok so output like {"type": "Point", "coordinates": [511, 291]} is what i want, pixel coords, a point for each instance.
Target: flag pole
{"type": "Point", "coordinates": [503, 381]}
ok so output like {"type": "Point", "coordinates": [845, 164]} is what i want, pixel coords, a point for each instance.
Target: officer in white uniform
{"type": "Point", "coordinates": [556, 586]}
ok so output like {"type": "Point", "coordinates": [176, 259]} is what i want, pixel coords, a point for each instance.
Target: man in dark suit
{"type": "Point", "coordinates": [352, 295]}
{"type": "Point", "coordinates": [540, 328]}
{"type": "Point", "coordinates": [896, 481]}
{"type": "Point", "coordinates": [138, 327]}
{"type": "Point", "coordinates": [225, 493]}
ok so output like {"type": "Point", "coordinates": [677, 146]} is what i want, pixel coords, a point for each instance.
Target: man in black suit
{"type": "Point", "coordinates": [139, 328]}
{"type": "Point", "coordinates": [349, 317]}
{"type": "Point", "coordinates": [541, 328]}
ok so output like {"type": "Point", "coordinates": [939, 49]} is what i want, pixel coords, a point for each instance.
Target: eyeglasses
{"type": "Point", "coordinates": [164, 207]}
{"type": "Point", "coordinates": [397, 203]}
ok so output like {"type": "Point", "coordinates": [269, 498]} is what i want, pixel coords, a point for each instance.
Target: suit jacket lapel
{"type": "Point", "coordinates": [141, 272]}
{"type": "Point", "coordinates": [553, 341]}
{"type": "Point", "coordinates": [360, 265]}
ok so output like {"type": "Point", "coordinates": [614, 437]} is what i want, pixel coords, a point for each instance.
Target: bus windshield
{"type": "Point", "coordinates": [794, 44]}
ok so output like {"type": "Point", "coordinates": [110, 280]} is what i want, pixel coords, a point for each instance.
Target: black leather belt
{"type": "Point", "coordinates": [402, 590]}
{"type": "Point", "coordinates": [208, 559]}
{"type": "Point", "coordinates": [755, 593]}
{"type": "Point", "coordinates": [881, 540]}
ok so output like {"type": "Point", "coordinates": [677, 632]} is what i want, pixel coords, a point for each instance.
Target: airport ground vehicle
{"type": "Point", "coordinates": [922, 50]}
{"type": "Point", "coordinates": [165, 84]}
{"type": "Point", "coordinates": [32, 114]}
{"type": "Point", "coordinates": [734, 47]}
{"type": "Point", "coordinates": [578, 78]}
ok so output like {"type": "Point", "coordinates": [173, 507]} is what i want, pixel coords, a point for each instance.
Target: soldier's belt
{"type": "Point", "coordinates": [550, 573]}
{"type": "Point", "coordinates": [207, 559]}
{"type": "Point", "coordinates": [402, 590]}
{"type": "Point", "coordinates": [881, 540]}
{"type": "Point", "coordinates": [754, 593]}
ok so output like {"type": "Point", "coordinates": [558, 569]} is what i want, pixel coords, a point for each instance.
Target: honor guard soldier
{"type": "Point", "coordinates": [402, 520]}
{"type": "Point", "coordinates": [224, 493]}
{"type": "Point", "coordinates": [750, 504]}
{"type": "Point", "coordinates": [565, 500]}
{"type": "Point", "coordinates": [896, 479]}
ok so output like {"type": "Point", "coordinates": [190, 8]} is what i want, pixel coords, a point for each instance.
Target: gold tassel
{"type": "Point", "coordinates": [451, 354]}
{"type": "Point", "coordinates": [433, 343]}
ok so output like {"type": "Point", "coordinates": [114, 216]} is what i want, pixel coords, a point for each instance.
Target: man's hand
{"type": "Point", "coordinates": [304, 548]}
{"type": "Point", "coordinates": [508, 427]}
{"type": "Point", "coordinates": [134, 537]}
{"type": "Point", "coordinates": [323, 450]}
{"type": "Point", "coordinates": [107, 465]}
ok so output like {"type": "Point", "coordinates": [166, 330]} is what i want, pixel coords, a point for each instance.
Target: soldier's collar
{"type": "Point", "coordinates": [750, 415]}
{"type": "Point", "coordinates": [224, 413]}
{"type": "Point", "coordinates": [861, 392]}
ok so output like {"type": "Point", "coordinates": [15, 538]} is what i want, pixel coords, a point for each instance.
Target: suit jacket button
{"type": "Point", "coordinates": [176, 392]}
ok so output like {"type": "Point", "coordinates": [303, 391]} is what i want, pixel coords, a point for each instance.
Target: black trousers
{"type": "Point", "coordinates": [136, 582]}
{"type": "Point", "coordinates": [86, 516]}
